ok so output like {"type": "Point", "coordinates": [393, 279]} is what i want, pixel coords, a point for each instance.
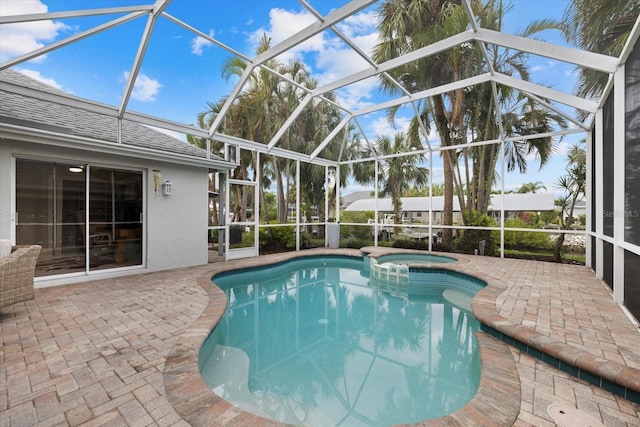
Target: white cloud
{"type": "Point", "coordinates": [198, 43]}
{"type": "Point", "coordinates": [145, 89]}
{"type": "Point", "coordinates": [359, 24]}
{"type": "Point", "coordinates": [39, 77]}
{"type": "Point", "coordinates": [328, 57]}
{"type": "Point", "coordinates": [358, 95]}
{"type": "Point", "coordinates": [21, 38]}
{"type": "Point", "coordinates": [545, 66]}
{"type": "Point", "coordinates": [282, 25]}
{"type": "Point", "coordinates": [382, 127]}
{"type": "Point", "coordinates": [562, 148]}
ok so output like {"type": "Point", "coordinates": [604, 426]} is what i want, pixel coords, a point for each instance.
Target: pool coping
{"type": "Point", "coordinates": [496, 403]}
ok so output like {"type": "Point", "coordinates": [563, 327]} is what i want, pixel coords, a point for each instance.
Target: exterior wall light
{"type": "Point", "coordinates": [167, 188]}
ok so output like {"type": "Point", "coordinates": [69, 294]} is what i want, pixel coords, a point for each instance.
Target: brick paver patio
{"type": "Point", "coordinates": [94, 353]}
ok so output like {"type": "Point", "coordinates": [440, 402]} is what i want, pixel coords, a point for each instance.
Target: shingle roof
{"type": "Point", "coordinates": [41, 114]}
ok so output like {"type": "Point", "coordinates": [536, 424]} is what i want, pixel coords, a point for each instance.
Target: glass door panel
{"type": "Point", "coordinates": [241, 221]}
{"type": "Point", "coordinates": [50, 206]}
{"type": "Point", "coordinates": [115, 218]}
{"type": "Point", "coordinates": [128, 217]}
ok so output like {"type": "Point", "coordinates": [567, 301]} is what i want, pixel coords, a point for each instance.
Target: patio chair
{"type": "Point", "coordinates": [16, 274]}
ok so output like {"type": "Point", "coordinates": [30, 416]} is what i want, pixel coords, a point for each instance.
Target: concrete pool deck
{"type": "Point", "coordinates": [120, 351]}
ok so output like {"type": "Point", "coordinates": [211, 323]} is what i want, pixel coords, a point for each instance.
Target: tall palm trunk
{"type": "Point", "coordinates": [443, 131]}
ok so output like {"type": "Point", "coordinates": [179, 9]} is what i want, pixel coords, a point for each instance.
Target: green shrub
{"type": "Point", "coordinates": [355, 243]}
{"type": "Point", "coordinates": [469, 240]}
{"type": "Point", "coordinates": [411, 244]}
{"type": "Point", "coordinates": [524, 239]}
{"type": "Point", "coordinates": [277, 239]}
{"type": "Point", "coordinates": [356, 231]}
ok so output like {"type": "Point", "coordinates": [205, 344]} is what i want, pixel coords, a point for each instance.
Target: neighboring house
{"type": "Point", "coordinates": [96, 202]}
{"type": "Point", "coordinates": [515, 203]}
{"type": "Point", "coordinates": [416, 209]}
{"type": "Point", "coordinates": [355, 196]}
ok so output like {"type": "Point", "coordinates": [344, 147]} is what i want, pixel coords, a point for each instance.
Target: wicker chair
{"type": "Point", "coordinates": [16, 274]}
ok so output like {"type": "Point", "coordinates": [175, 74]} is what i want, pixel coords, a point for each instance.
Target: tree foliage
{"type": "Point", "coordinates": [574, 184]}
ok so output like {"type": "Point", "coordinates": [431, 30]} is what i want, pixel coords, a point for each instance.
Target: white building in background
{"type": "Point", "coordinates": [416, 209]}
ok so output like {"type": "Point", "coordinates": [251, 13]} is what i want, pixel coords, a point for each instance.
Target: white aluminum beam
{"type": "Point", "coordinates": [301, 106]}
{"type": "Point", "coordinates": [277, 151]}
{"type": "Point", "coordinates": [558, 111]}
{"type": "Point", "coordinates": [460, 84]}
{"type": "Point", "coordinates": [543, 135]}
{"type": "Point", "coordinates": [631, 41]}
{"type": "Point", "coordinates": [619, 213]}
{"type": "Point", "coordinates": [206, 36]}
{"type": "Point", "coordinates": [69, 40]}
{"type": "Point", "coordinates": [546, 92]}
{"type": "Point", "coordinates": [159, 6]}
{"type": "Point", "coordinates": [331, 19]}
{"type": "Point", "coordinates": [145, 119]}
{"type": "Point", "coordinates": [14, 19]}
{"type": "Point", "coordinates": [230, 100]}
{"type": "Point", "coordinates": [432, 49]}
{"type": "Point", "coordinates": [595, 61]}
{"type": "Point", "coordinates": [597, 192]}
{"type": "Point", "coordinates": [329, 137]}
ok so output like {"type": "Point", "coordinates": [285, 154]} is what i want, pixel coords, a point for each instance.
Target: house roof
{"type": "Point", "coordinates": [526, 202]}
{"type": "Point", "coordinates": [20, 110]}
{"type": "Point", "coordinates": [529, 202]}
{"type": "Point", "coordinates": [409, 204]}
{"type": "Point", "coordinates": [356, 195]}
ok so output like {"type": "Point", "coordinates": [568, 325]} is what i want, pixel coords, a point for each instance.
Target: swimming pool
{"type": "Point", "coordinates": [314, 342]}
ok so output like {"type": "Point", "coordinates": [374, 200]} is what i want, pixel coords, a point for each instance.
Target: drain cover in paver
{"type": "Point", "coordinates": [568, 416]}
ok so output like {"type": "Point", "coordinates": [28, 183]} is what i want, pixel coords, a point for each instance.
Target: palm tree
{"type": "Point", "coordinates": [520, 116]}
{"type": "Point", "coordinates": [396, 174]}
{"type": "Point", "coordinates": [531, 187]}
{"type": "Point", "coordinates": [409, 25]}
{"type": "Point", "coordinates": [471, 112]}
{"type": "Point", "coordinates": [574, 184]}
{"type": "Point", "coordinates": [260, 110]}
{"type": "Point", "coordinates": [600, 26]}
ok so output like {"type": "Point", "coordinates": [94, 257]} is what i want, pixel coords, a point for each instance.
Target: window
{"type": "Point", "coordinates": [52, 206]}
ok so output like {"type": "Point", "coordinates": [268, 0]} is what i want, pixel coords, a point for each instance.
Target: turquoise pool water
{"type": "Point", "coordinates": [315, 342]}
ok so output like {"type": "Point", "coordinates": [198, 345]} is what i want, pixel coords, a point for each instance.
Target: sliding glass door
{"type": "Point", "coordinates": [86, 218]}
{"type": "Point", "coordinates": [115, 218]}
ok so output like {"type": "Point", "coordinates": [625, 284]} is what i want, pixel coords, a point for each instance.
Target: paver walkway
{"type": "Point", "coordinates": [94, 353]}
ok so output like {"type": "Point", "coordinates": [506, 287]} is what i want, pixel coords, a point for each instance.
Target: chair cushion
{"type": "Point", "coordinates": [5, 247]}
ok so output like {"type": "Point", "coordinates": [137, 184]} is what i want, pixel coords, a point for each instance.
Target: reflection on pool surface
{"type": "Point", "coordinates": [315, 342]}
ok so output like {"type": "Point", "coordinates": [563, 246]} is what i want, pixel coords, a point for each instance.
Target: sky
{"type": "Point", "coordinates": [181, 71]}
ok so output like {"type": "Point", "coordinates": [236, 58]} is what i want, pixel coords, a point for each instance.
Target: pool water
{"type": "Point", "coordinates": [314, 342]}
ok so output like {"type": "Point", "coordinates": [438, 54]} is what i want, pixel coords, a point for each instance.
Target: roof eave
{"type": "Point", "coordinates": [39, 136]}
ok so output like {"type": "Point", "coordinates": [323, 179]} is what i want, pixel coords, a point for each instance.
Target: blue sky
{"type": "Point", "coordinates": [181, 71]}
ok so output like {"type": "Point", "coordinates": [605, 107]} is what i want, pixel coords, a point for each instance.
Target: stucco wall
{"type": "Point", "coordinates": [176, 225]}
